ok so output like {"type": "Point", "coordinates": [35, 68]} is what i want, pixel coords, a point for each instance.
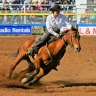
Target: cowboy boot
{"type": "Point", "coordinates": [32, 51]}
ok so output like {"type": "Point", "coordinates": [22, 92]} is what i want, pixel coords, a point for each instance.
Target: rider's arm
{"type": "Point", "coordinates": [67, 23]}
{"type": "Point", "coordinates": [49, 27]}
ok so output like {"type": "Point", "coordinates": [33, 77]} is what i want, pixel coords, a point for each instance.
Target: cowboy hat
{"type": "Point", "coordinates": [55, 8]}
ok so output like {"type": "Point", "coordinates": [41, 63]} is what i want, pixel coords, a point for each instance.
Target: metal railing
{"type": "Point", "coordinates": [28, 13]}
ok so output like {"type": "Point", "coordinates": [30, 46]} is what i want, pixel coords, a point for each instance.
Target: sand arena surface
{"type": "Point", "coordinates": [76, 75]}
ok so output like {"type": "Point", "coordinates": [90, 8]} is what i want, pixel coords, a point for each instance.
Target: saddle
{"type": "Point", "coordinates": [52, 39]}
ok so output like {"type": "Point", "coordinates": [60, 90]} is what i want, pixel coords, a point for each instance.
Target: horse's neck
{"type": "Point", "coordinates": [58, 46]}
{"type": "Point", "coordinates": [61, 47]}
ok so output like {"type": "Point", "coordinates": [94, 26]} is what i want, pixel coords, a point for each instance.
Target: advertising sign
{"type": "Point", "coordinates": [86, 30]}
{"type": "Point", "coordinates": [15, 29]}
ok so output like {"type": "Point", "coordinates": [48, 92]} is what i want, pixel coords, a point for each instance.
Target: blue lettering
{"type": "Point", "coordinates": [20, 30]}
{"type": "Point", "coordinates": [5, 30]}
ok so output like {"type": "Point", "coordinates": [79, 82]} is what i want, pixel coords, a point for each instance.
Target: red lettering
{"type": "Point", "coordinates": [80, 31]}
{"type": "Point", "coordinates": [87, 31]}
{"type": "Point", "coordinates": [94, 30]}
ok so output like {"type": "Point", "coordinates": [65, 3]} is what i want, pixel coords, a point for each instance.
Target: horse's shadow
{"type": "Point", "coordinates": [72, 83]}
{"type": "Point", "coordinates": [81, 84]}
{"type": "Point", "coordinates": [59, 83]}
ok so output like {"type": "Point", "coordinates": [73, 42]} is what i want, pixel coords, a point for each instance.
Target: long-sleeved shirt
{"type": "Point", "coordinates": [58, 22]}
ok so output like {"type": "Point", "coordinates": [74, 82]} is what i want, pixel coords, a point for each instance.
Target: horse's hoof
{"type": "Point", "coordinates": [25, 80]}
{"type": "Point", "coordinates": [28, 83]}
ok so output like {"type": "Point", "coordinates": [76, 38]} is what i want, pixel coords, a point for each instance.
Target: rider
{"type": "Point", "coordinates": [54, 25]}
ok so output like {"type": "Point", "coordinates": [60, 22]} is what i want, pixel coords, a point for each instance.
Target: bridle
{"type": "Point", "coordinates": [71, 38]}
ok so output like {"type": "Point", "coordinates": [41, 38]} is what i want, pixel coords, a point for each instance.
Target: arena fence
{"type": "Point", "coordinates": [29, 13]}
{"type": "Point", "coordinates": [25, 20]}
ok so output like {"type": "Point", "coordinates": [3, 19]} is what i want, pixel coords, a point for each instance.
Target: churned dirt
{"type": "Point", "coordinates": [76, 75]}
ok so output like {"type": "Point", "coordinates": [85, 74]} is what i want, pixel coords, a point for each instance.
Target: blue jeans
{"type": "Point", "coordinates": [43, 40]}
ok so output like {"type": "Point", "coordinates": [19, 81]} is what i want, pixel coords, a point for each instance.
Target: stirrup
{"type": "Point", "coordinates": [32, 51]}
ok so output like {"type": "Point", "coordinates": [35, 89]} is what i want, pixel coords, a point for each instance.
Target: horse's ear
{"type": "Point", "coordinates": [72, 27]}
{"type": "Point", "coordinates": [76, 26]}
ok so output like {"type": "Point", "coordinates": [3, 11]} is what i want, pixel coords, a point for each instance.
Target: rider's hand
{"type": "Point", "coordinates": [57, 35]}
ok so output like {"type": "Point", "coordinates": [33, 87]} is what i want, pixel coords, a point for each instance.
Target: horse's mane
{"type": "Point", "coordinates": [74, 29]}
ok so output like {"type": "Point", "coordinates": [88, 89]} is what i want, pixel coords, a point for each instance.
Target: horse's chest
{"type": "Point", "coordinates": [60, 54]}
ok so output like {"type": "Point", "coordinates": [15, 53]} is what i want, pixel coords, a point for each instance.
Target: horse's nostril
{"type": "Point", "coordinates": [78, 49]}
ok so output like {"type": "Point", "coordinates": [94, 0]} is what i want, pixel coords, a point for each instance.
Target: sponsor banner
{"type": "Point", "coordinates": [15, 29]}
{"type": "Point", "coordinates": [86, 30]}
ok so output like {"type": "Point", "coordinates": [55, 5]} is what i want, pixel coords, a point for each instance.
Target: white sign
{"type": "Point", "coordinates": [86, 30]}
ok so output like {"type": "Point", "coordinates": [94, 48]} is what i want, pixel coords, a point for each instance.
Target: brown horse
{"type": "Point", "coordinates": [48, 56]}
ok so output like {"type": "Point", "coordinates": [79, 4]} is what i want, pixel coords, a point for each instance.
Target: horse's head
{"type": "Point", "coordinates": [73, 38]}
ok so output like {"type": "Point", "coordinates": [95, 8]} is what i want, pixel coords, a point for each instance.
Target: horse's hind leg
{"type": "Point", "coordinates": [36, 71]}
{"type": "Point", "coordinates": [37, 77]}
{"type": "Point", "coordinates": [28, 81]}
{"type": "Point", "coordinates": [14, 64]}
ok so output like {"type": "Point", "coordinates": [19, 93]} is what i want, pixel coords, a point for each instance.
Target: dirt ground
{"type": "Point", "coordinates": [76, 75]}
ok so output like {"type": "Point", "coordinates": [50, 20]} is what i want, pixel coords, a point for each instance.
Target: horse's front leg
{"type": "Point", "coordinates": [34, 73]}
{"type": "Point", "coordinates": [14, 64]}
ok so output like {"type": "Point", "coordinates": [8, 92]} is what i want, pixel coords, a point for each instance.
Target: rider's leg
{"type": "Point", "coordinates": [39, 44]}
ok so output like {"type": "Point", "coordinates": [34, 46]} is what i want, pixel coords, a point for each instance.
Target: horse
{"type": "Point", "coordinates": [48, 56]}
